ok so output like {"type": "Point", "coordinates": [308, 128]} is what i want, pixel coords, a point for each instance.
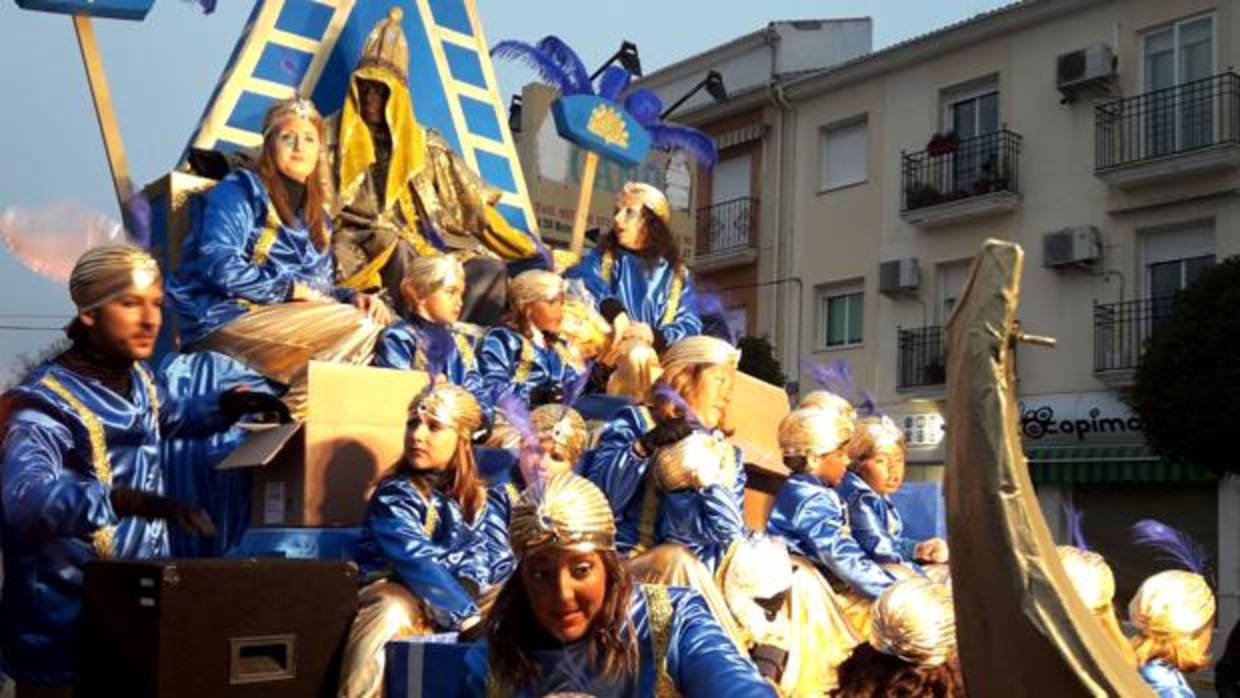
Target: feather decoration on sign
{"type": "Point", "coordinates": [614, 81]}
{"type": "Point", "coordinates": [643, 105]}
{"type": "Point", "coordinates": [1076, 529]}
{"type": "Point", "coordinates": [696, 144]}
{"type": "Point", "coordinates": [532, 56]}
{"type": "Point", "coordinates": [664, 391]}
{"type": "Point", "coordinates": [1173, 545]}
{"type": "Point", "coordinates": [569, 62]}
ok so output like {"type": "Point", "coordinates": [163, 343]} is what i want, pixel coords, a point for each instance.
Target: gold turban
{"type": "Point", "coordinates": [825, 399]}
{"type": "Point", "coordinates": [650, 197]}
{"type": "Point", "coordinates": [104, 273]}
{"type": "Point", "coordinates": [564, 426]}
{"type": "Point", "coordinates": [1091, 576]}
{"type": "Point", "coordinates": [565, 511]}
{"type": "Point", "coordinates": [694, 462]}
{"type": "Point", "coordinates": [430, 273]}
{"type": "Point", "coordinates": [810, 431]}
{"type": "Point", "coordinates": [700, 349]}
{"type": "Point", "coordinates": [293, 108]}
{"type": "Point", "coordinates": [913, 620]}
{"type": "Point", "coordinates": [534, 285]}
{"type": "Point", "coordinates": [1173, 602]}
{"type": "Point", "coordinates": [452, 406]}
{"type": "Point", "coordinates": [585, 328]}
{"type": "Point", "coordinates": [872, 434]}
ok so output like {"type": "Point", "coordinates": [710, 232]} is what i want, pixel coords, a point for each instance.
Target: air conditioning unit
{"type": "Point", "coordinates": [899, 276]}
{"type": "Point", "coordinates": [1087, 68]}
{"type": "Point", "coordinates": [1075, 246]}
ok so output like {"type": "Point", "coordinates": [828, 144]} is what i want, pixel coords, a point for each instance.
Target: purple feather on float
{"type": "Point", "coordinates": [138, 216]}
{"type": "Point", "coordinates": [613, 82]}
{"type": "Point", "coordinates": [1076, 528]}
{"type": "Point", "coordinates": [834, 377]}
{"type": "Point", "coordinates": [698, 145]}
{"type": "Point", "coordinates": [644, 106]}
{"type": "Point", "coordinates": [1172, 545]}
{"type": "Point", "coordinates": [868, 406]}
{"type": "Point", "coordinates": [569, 62]}
{"type": "Point", "coordinates": [529, 452]}
{"type": "Point", "coordinates": [534, 57]}
{"type": "Point", "coordinates": [711, 305]}
{"type": "Point", "coordinates": [664, 391]}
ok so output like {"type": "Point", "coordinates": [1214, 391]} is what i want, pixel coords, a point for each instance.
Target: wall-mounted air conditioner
{"type": "Point", "coordinates": [899, 276]}
{"type": "Point", "coordinates": [1075, 246]}
{"type": "Point", "coordinates": [1091, 68]}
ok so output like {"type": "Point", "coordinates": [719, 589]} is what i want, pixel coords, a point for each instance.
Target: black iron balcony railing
{"type": "Point", "coordinates": [727, 226]}
{"type": "Point", "coordinates": [1170, 121]}
{"type": "Point", "coordinates": [951, 170]}
{"type": "Point", "coordinates": [1122, 329]}
{"type": "Point", "coordinates": [921, 357]}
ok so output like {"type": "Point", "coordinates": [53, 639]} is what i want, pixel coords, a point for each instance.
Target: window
{"type": "Point", "coordinates": [843, 155]}
{"type": "Point", "coordinates": [1175, 55]}
{"type": "Point", "coordinates": [972, 111]}
{"type": "Point", "coordinates": [841, 316]}
{"type": "Point", "coordinates": [1173, 260]}
{"type": "Point", "coordinates": [951, 278]}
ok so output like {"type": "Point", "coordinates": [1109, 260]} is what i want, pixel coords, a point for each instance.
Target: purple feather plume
{"type": "Point", "coordinates": [530, 452]}
{"type": "Point", "coordinates": [644, 105]}
{"type": "Point", "coordinates": [834, 377]}
{"type": "Point", "coordinates": [534, 57]}
{"type": "Point", "coordinates": [437, 343]}
{"type": "Point", "coordinates": [698, 145]}
{"type": "Point", "coordinates": [1076, 528]}
{"type": "Point", "coordinates": [613, 82]}
{"type": "Point", "coordinates": [868, 406]}
{"type": "Point", "coordinates": [575, 387]}
{"type": "Point", "coordinates": [138, 217]}
{"type": "Point", "coordinates": [570, 63]}
{"type": "Point", "coordinates": [710, 305]}
{"type": "Point", "coordinates": [665, 392]}
{"type": "Point", "coordinates": [1171, 544]}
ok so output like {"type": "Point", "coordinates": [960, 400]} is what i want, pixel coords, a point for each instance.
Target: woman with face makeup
{"type": "Point", "coordinates": [640, 285]}
{"type": "Point", "coordinates": [255, 280]}
{"type": "Point", "coordinates": [434, 287]}
{"type": "Point", "coordinates": [876, 471]}
{"type": "Point", "coordinates": [527, 357]}
{"type": "Point", "coordinates": [572, 620]}
{"type": "Point", "coordinates": [422, 552]}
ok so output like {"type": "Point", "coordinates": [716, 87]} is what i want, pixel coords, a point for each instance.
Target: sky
{"type": "Point", "coordinates": [162, 70]}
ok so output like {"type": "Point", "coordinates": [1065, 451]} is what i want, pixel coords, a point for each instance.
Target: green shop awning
{"type": "Point", "coordinates": [1110, 463]}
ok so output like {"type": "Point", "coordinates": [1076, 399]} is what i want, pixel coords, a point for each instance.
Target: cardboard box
{"type": "Point", "coordinates": [757, 409]}
{"type": "Point", "coordinates": [321, 472]}
{"type": "Point", "coordinates": [422, 667]}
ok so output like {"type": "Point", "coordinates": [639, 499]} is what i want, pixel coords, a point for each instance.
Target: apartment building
{"type": "Point", "coordinates": [1104, 137]}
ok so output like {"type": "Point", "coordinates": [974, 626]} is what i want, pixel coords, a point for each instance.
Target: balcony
{"type": "Point", "coordinates": [1167, 134]}
{"type": "Point", "coordinates": [726, 235]}
{"type": "Point", "coordinates": [953, 181]}
{"type": "Point", "coordinates": [922, 361]}
{"type": "Point", "coordinates": [1120, 333]}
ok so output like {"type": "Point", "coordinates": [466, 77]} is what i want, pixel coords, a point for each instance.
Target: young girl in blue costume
{"type": "Point", "coordinates": [811, 516]}
{"type": "Point", "coordinates": [640, 286]}
{"type": "Point", "coordinates": [1173, 612]}
{"type": "Point", "coordinates": [571, 619]}
{"type": "Point", "coordinates": [422, 552]}
{"type": "Point", "coordinates": [434, 288]}
{"type": "Point", "coordinates": [527, 357]}
{"type": "Point", "coordinates": [255, 280]}
{"type": "Point", "coordinates": [876, 471]}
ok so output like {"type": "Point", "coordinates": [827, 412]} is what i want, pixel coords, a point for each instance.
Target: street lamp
{"type": "Point", "coordinates": [713, 82]}
{"type": "Point", "coordinates": [629, 60]}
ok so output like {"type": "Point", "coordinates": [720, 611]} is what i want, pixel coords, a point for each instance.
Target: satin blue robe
{"type": "Point", "coordinates": [707, 520]}
{"type": "Point", "coordinates": [217, 277]}
{"type": "Point", "coordinates": [876, 523]}
{"type": "Point", "coordinates": [701, 661]}
{"type": "Point", "coordinates": [53, 502]}
{"type": "Point", "coordinates": [395, 543]}
{"type": "Point", "coordinates": [812, 519]}
{"type": "Point", "coordinates": [189, 463]}
{"type": "Point", "coordinates": [509, 361]}
{"type": "Point", "coordinates": [400, 347]}
{"type": "Point", "coordinates": [644, 291]}
{"type": "Point", "coordinates": [501, 496]}
{"type": "Point", "coordinates": [1166, 680]}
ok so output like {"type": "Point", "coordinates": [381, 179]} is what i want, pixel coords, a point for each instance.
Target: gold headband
{"type": "Point", "coordinates": [913, 620]}
{"type": "Point", "coordinates": [651, 198]}
{"type": "Point", "coordinates": [452, 406]}
{"type": "Point", "coordinates": [1090, 574]}
{"type": "Point", "coordinates": [810, 431]}
{"type": "Point", "coordinates": [695, 461]}
{"type": "Point", "coordinates": [534, 285]}
{"type": "Point", "coordinates": [565, 511]}
{"type": "Point", "coordinates": [431, 273]}
{"type": "Point", "coordinates": [292, 108]}
{"type": "Point", "coordinates": [104, 273]}
{"type": "Point", "coordinates": [1173, 602]}
{"type": "Point", "coordinates": [563, 425]}
{"type": "Point", "coordinates": [700, 350]}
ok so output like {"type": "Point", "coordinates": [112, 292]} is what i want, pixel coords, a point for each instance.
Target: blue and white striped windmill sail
{"type": "Point", "coordinates": [310, 47]}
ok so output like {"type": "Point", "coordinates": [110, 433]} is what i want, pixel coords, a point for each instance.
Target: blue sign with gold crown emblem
{"type": "Point", "coordinates": [112, 9]}
{"type": "Point", "coordinates": [602, 126]}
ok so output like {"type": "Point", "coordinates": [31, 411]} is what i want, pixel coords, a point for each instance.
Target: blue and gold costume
{"type": "Point", "coordinates": [812, 518]}
{"type": "Point", "coordinates": [655, 294]}
{"type": "Point", "coordinates": [509, 361]}
{"type": "Point", "coordinates": [427, 544]}
{"type": "Point", "coordinates": [679, 643]}
{"type": "Point", "coordinates": [706, 520]}
{"type": "Point", "coordinates": [403, 345]}
{"type": "Point", "coordinates": [1166, 680]}
{"type": "Point", "coordinates": [70, 440]}
{"type": "Point", "coordinates": [876, 523]}
{"type": "Point", "coordinates": [238, 254]}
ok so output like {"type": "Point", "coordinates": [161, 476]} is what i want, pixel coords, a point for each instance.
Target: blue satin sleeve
{"type": "Point", "coordinates": [497, 363]}
{"type": "Point", "coordinates": [1166, 681]}
{"type": "Point", "coordinates": [190, 416]}
{"type": "Point", "coordinates": [395, 519]}
{"type": "Point", "coordinates": [701, 660]}
{"type": "Point", "coordinates": [494, 532]}
{"type": "Point", "coordinates": [709, 516]}
{"type": "Point", "coordinates": [40, 496]}
{"type": "Point", "coordinates": [687, 321]}
{"type": "Point", "coordinates": [869, 528]}
{"type": "Point", "coordinates": [230, 215]}
{"type": "Point", "coordinates": [590, 271]}
{"type": "Point", "coordinates": [613, 465]}
{"type": "Point", "coordinates": [396, 347]}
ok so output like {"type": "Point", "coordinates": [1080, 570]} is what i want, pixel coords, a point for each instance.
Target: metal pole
{"type": "Point", "coordinates": [104, 110]}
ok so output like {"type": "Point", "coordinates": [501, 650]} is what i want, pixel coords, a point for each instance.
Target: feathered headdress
{"type": "Point", "coordinates": [1172, 545]}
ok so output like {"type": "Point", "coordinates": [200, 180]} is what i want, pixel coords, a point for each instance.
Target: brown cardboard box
{"type": "Point", "coordinates": [757, 408]}
{"type": "Point", "coordinates": [321, 472]}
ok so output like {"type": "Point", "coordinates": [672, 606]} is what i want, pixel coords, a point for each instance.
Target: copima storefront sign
{"type": "Point", "coordinates": [1077, 418]}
